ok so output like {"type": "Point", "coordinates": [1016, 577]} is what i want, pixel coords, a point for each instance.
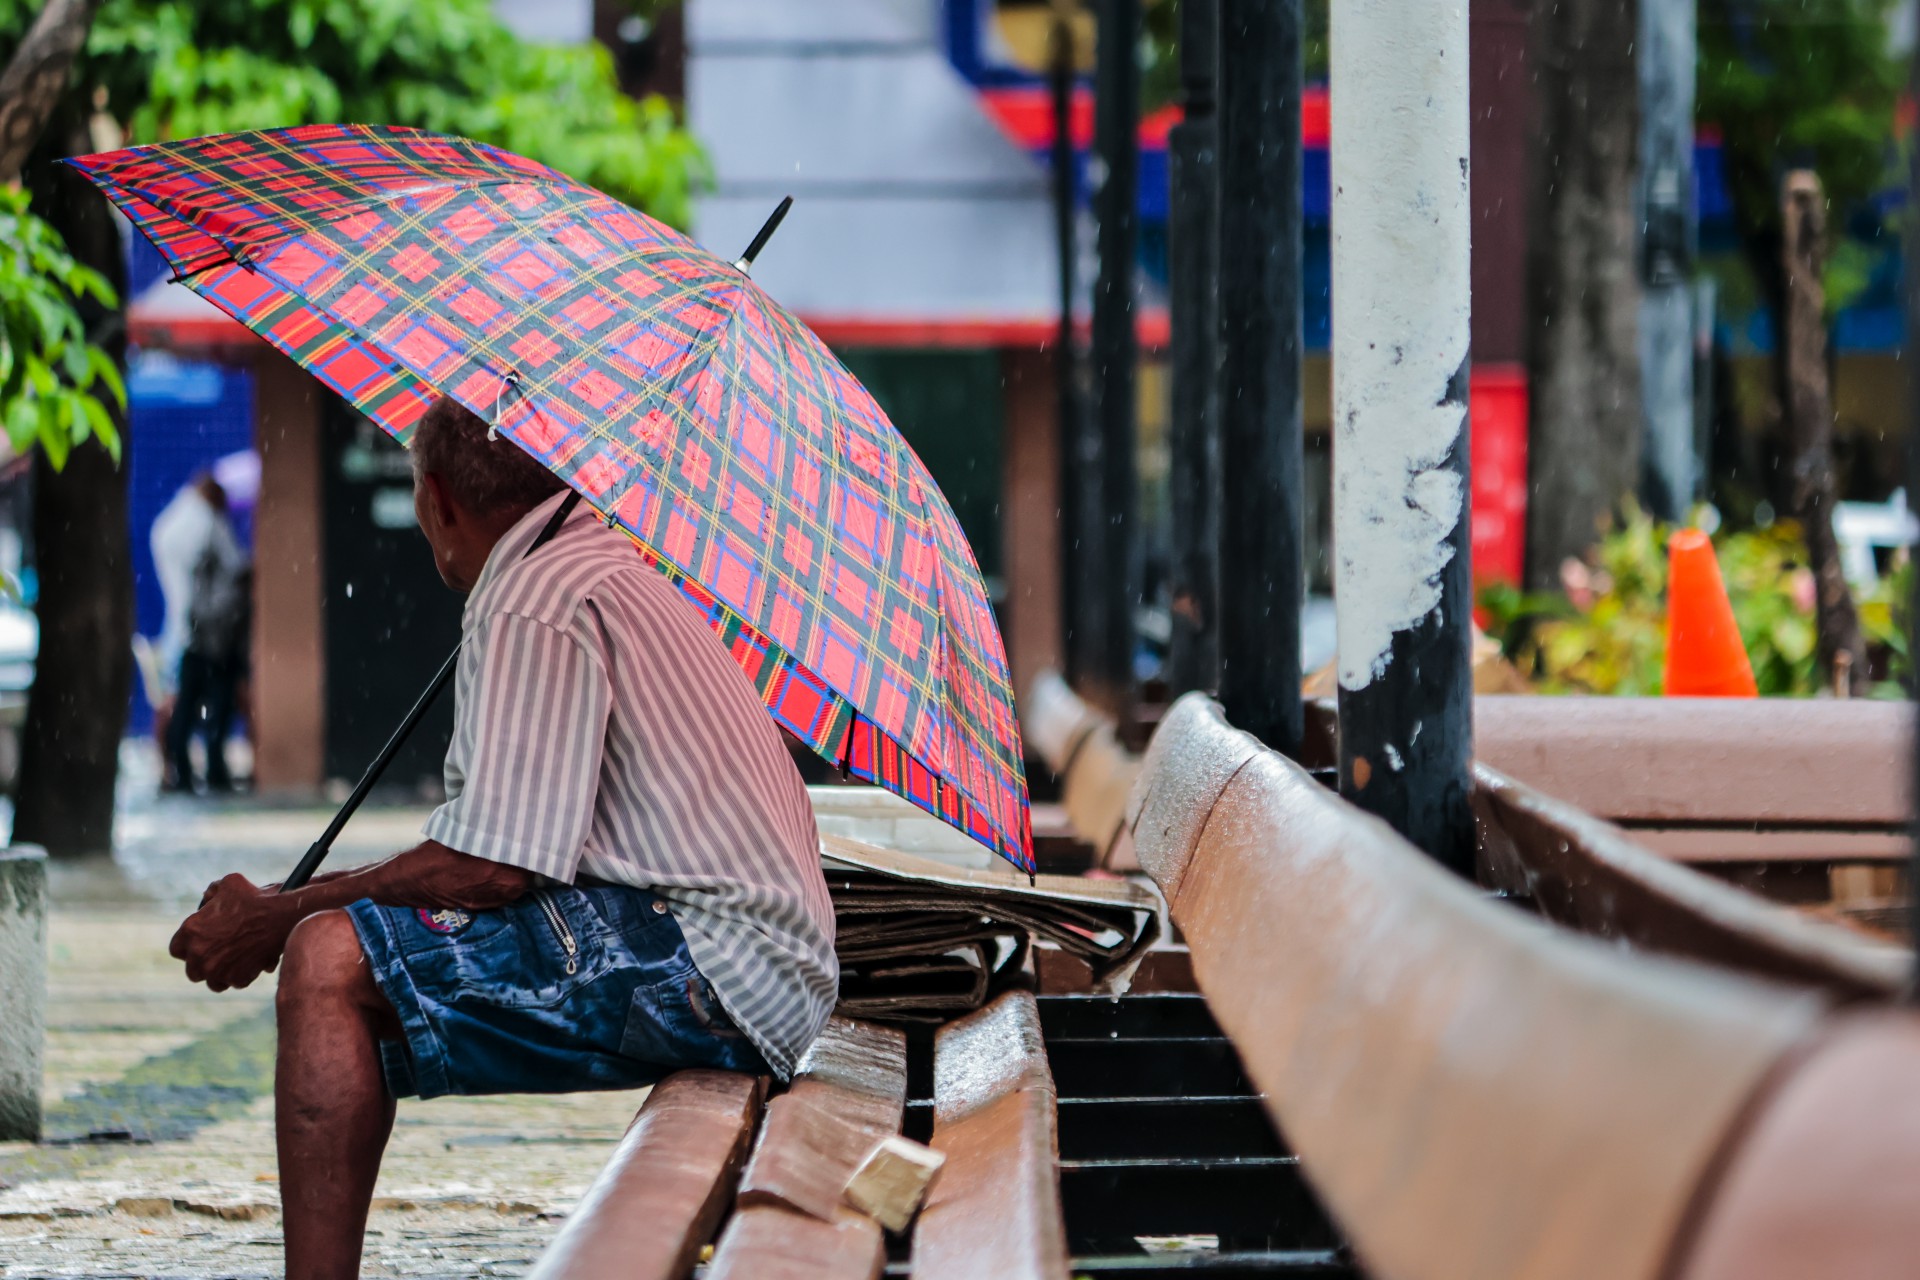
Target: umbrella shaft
{"type": "Point", "coordinates": [317, 852]}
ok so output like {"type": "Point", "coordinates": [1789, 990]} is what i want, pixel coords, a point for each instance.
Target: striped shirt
{"type": "Point", "coordinates": [602, 727]}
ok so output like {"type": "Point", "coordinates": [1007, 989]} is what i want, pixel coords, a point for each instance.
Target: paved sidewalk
{"type": "Point", "coordinates": [159, 1093]}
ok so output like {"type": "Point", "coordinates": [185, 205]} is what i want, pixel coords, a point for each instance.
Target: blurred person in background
{"type": "Point", "coordinates": [205, 579]}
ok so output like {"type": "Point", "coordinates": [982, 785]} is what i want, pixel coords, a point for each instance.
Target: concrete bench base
{"type": "Point", "coordinates": [23, 990]}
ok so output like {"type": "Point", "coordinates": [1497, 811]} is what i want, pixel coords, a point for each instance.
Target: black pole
{"type": "Point", "coordinates": [1076, 495]}
{"type": "Point", "coordinates": [1259, 390]}
{"type": "Point", "coordinates": [317, 852]}
{"type": "Point", "coordinates": [1114, 349]}
{"type": "Point", "coordinates": [1912, 348]}
{"type": "Point", "coordinates": [1193, 481]}
{"type": "Point", "coordinates": [745, 261]}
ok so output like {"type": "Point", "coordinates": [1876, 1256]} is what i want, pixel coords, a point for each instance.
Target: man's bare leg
{"type": "Point", "coordinates": [332, 1112]}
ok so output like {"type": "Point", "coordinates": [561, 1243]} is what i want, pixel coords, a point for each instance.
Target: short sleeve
{"type": "Point", "coordinates": [534, 727]}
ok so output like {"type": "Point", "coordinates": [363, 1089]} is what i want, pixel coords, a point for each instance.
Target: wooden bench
{"type": "Point", "coordinates": [1474, 1092]}
{"type": "Point", "coordinates": [848, 1094]}
{"type": "Point", "coordinates": [657, 1202]}
{"type": "Point", "coordinates": [1096, 772]}
{"type": "Point", "coordinates": [1583, 872]}
{"type": "Point", "coordinates": [1823, 1179]}
{"type": "Point", "coordinates": [1569, 843]}
{"type": "Point", "coordinates": [1718, 780]}
{"type": "Point", "coordinates": [995, 1209]}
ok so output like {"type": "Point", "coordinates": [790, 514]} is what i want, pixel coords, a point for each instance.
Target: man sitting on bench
{"type": "Point", "coordinates": [624, 880]}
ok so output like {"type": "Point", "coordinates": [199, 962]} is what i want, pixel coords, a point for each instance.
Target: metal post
{"type": "Point", "coordinates": [1912, 343]}
{"type": "Point", "coordinates": [1116, 140]}
{"type": "Point", "coordinates": [1259, 391]}
{"type": "Point", "coordinates": [1665, 52]}
{"type": "Point", "coordinates": [1078, 483]}
{"type": "Point", "coordinates": [1401, 217]}
{"type": "Point", "coordinates": [1193, 656]}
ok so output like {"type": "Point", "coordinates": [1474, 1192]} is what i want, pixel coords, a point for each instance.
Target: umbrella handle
{"type": "Point", "coordinates": [744, 263]}
{"type": "Point", "coordinates": [317, 852]}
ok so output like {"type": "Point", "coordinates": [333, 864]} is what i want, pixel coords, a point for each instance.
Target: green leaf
{"type": "Point", "coordinates": [54, 442]}
{"type": "Point", "coordinates": [100, 423]}
{"type": "Point", "coordinates": [106, 370]}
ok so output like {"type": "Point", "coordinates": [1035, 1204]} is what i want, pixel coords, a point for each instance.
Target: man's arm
{"type": "Point", "coordinates": [241, 928]}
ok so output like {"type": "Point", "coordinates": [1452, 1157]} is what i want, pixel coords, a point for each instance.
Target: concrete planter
{"type": "Point", "coordinates": [23, 989]}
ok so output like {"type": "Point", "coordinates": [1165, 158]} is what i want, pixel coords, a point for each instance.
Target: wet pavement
{"type": "Point", "coordinates": [159, 1107]}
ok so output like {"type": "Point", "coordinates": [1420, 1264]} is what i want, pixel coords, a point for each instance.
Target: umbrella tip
{"type": "Point", "coordinates": [744, 263]}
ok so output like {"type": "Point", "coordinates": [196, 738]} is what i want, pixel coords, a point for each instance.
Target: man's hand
{"type": "Point", "coordinates": [237, 934]}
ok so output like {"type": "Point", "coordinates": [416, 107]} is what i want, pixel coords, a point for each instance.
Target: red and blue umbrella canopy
{"type": "Point", "coordinates": [686, 405]}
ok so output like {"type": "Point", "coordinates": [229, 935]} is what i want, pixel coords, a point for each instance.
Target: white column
{"type": "Point", "coordinates": [1401, 218]}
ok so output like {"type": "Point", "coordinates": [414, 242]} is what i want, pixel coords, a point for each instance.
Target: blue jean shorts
{"type": "Point", "coordinates": [568, 989]}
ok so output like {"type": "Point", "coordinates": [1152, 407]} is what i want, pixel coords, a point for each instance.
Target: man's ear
{"type": "Point", "coordinates": [440, 504]}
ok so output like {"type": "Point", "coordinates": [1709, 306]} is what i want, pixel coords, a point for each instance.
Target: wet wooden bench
{"type": "Point", "coordinates": [1473, 1092]}
{"type": "Point", "coordinates": [790, 1222]}
{"type": "Point", "coordinates": [656, 1203]}
{"type": "Point", "coordinates": [1718, 780]}
{"type": "Point", "coordinates": [1096, 771]}
{"type": "Point", "coordinates": [1582, 859]}
{"type": "Point", "coordinates": [995, 1209]}
{"type": "Point", "coordinates": [1576, 869]}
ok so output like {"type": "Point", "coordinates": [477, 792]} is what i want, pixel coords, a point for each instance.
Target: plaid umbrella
{"type": "Point", "coordinates": [664, 386]}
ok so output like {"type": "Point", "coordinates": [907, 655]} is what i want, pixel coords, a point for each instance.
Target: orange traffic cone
{"type": "Point", "coordinates": [1705, 658]}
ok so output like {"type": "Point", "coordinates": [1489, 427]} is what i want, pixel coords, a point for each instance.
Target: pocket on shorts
{"type": "Point", "coordinates": [679, 1021]}
{"type": "Point", "coordinates": [535, 954]}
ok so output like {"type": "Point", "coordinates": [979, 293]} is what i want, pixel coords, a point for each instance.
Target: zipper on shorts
{"type": "Point", "coordinates": [561, 932]}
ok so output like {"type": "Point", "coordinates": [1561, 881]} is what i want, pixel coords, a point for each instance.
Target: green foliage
{"type": "Point", "coordinates": [181, 68]}
{"type": "Point", "coordinates": [1800, 84]}
{"type": "Point", "coordinates": [52, 380]}
{"type": "Point", "coordinates": [1607, 632]}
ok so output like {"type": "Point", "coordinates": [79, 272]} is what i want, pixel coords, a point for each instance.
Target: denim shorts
{"type": "Point", "coordinates": [568, 989]}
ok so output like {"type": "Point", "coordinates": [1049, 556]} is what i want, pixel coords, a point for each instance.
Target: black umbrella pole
{"type": "Point", "coordinates": [1913, 486]}
{"type": "Point", "coordinates": [317, 852]}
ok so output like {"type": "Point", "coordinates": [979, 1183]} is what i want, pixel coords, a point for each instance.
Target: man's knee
{"type": "Point", "coordinates": [322, 960]}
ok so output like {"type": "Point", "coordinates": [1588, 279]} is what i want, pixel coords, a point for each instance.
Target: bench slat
{"type": "Point", "coordinates": [995, 1209]}
{"type": "Point", "coordinates": [849, 1093]}
{"type": "Point", "coordinates": [770, 1242]}
{"type": "Point", "coordinates": [662, 1194]}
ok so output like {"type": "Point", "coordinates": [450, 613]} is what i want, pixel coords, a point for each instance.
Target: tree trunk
{"type": "Point", "coordinates": [1802, 350]}
{"type": "Point", "coordinates": [78, 707]}
{"type": "Point", "coordinates": [1584, 291]}
{"type": "Point", "coordinates": [36, 78]}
